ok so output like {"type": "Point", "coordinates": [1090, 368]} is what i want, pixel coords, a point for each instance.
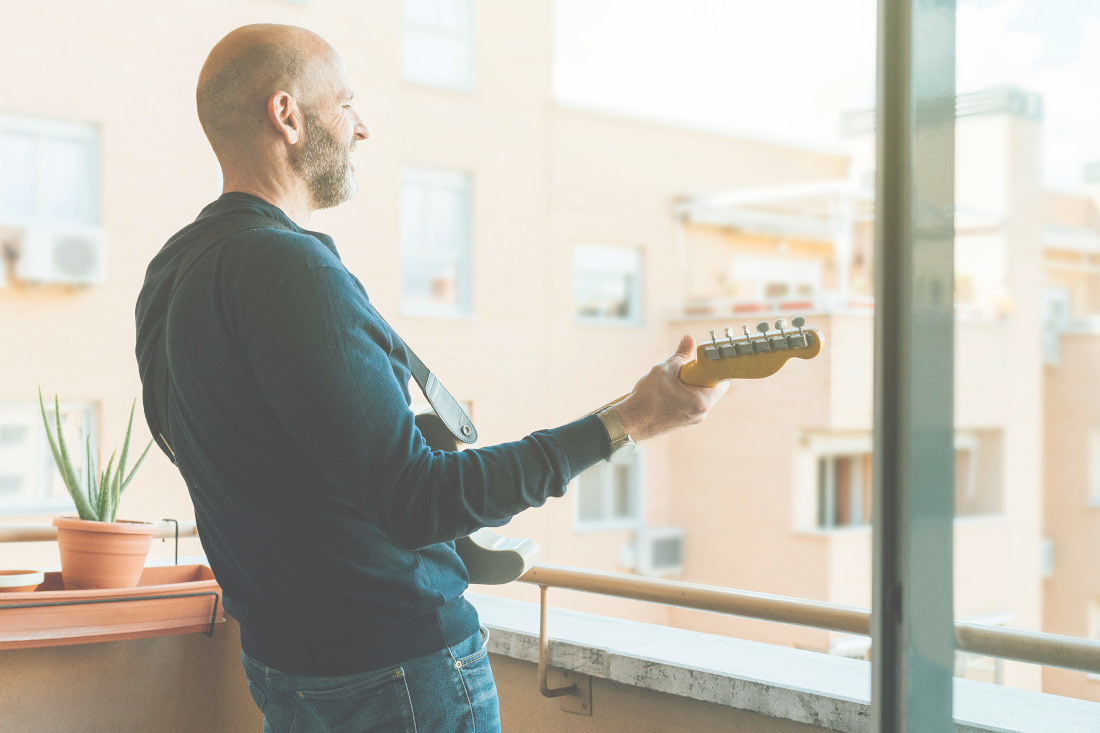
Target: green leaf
{"type": "Point", "coordinates": [135, 468]}
{"type": "Point", "coordinates": [90, 485]}
{"type": "Point", "coordinates": [105, 489]}
{"type": "Point", "coordinates": [126, 441]}
{"type": "Point", "coordinates": [61, 460]}
{"type": "Point", "coordinates": [115, 491]}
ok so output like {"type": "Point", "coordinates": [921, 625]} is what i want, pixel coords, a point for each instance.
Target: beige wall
{"type": "Point", "coordinates": [1071, 521]}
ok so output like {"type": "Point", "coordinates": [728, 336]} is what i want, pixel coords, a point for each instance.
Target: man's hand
{"type": "Point", "coordinates": [660, 402]}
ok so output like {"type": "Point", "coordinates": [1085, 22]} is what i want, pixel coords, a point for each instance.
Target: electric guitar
{"type": "Point", "coordinates": [492, 559]}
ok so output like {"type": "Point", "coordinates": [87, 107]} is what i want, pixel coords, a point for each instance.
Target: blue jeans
{"type": "Point", "coordinates": [449, 691]}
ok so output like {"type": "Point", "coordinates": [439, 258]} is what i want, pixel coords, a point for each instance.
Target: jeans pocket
{"type": "Point", "coordinates": [480, 687]}
{"type": "Point", "coordinates": [481, 652]}
{"type": "Point", "coordinates": [377, 704]}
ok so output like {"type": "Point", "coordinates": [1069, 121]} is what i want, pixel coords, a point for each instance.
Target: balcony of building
{"type": "Point", "coordinates": [556, 670]}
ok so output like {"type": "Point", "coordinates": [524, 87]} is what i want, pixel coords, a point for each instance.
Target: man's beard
{"type": "Point", "coordinates": [325, 165]}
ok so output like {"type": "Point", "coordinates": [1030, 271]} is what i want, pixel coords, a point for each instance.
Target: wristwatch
{"type": "Point", "coordinates": [622, 445]}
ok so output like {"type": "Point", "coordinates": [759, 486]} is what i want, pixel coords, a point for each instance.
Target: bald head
{"type": "Point", "coordinates": [249, 65]}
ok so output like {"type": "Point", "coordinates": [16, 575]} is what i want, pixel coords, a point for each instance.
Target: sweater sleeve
{"type": "Point", "coordinates": [329, 369]}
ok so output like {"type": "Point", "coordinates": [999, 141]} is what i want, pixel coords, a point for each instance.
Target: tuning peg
{"type": "Point", "coordinates": [798, 321]}
{"type": "Point", "coordinates": [746, 330]}
{"type": "Point", "coordinates": [713, 339]}
{"type": "Point", "coordinates": [781, 326]}
{"type": "Point", "coordinates": [763, 327]}
{"type": "Point", "coordinates": [729, 337]}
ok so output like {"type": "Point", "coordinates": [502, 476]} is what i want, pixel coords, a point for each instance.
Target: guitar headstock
{"type": "Point", "coordinates": [751, 356]}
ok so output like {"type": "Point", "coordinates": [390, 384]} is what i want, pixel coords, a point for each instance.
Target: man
{"type": "Point", "coordinates": [282, 396]}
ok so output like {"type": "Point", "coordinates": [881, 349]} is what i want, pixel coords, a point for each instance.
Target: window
{"type": "Point", "coordinates": [607, 285]}
{"type": "Point", "coordinates": [844, 490]}
{"type": "Point", "coordinates": [435, 243]}
{"type": "Point", "coordinates": [49, 201]}
{"type": "Point", "coordinates": [842, 477]}
{"type": "Point", "coordinates": [29, 479]}
{"type": "Point", "coordinates": [439, 43]}
{"type": "Point", "coordinates": [978, 472]}
{"type": "Point", "coordinates": [1094, 466]}
{"type": "Point", "coordinates": [51, 173]}
{"type": "Point", "coordinates": [609, 495]}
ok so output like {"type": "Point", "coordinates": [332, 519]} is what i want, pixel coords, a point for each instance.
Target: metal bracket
{"type": "Point", "coordinates": [544, 657]}
{"type": "Point", "coordinates": [175, 522]}
{"type": "Point", "coordinates": [579, 702]}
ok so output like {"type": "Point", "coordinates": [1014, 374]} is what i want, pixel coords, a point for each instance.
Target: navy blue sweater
{"type": "Point", "coordinates": [327, 520]}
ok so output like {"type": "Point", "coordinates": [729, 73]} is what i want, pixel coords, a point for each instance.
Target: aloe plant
{"type": "Point", "coordinates": [97, 499]}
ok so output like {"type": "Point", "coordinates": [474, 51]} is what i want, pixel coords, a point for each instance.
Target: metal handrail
{"type": "Point", "coordinates": [47, 533]}
{"type": "Point", "coordinates": [1050, 650]}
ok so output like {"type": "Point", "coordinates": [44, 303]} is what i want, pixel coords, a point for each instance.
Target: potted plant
{"type": "Point", "coordinates": [96, 550]}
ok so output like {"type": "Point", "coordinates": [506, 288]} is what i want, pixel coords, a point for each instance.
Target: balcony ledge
{"type": "Point", "coordinates": [807, 687]}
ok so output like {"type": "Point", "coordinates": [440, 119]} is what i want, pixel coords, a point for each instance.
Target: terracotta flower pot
{"type": "Point", "coordinates": [102, 554]}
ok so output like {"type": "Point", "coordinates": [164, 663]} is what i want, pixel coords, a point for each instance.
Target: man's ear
{"type": "Point", "coordinates": [284, 114]}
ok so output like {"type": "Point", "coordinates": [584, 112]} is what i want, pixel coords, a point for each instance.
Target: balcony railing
{"type": "Point", "coordinates": [1051, 650]}
{"type": "Point", "coordinates": [822, 303]}
{"type": "Point", "coordinates": [1038, 648]}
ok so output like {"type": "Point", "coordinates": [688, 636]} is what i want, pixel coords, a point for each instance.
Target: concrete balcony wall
{"type": "Point", "coordinates": [619, 709]}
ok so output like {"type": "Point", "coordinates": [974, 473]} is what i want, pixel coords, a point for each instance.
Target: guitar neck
{"type": "Point", "coordinates": [746, 357]}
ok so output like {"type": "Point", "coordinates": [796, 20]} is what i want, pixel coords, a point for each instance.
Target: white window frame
{"type": "Point", "coordinates": [830, 492]}
{"type": "Point", "coordinates": [967, 442]}
{"type": "Point", "coordinates": [461, 252]}
{"type": "Point", "coordinates": [604, 259]}
{"type": "Point", "coordinates": [832, 445]}
{"type": "Point", "coordinates": [607, 523]}
{"type": "Point", "coordinates": [49, 477]}
{"type": "Point", "coordinates": [1092, 457]}
{"type": "Point", "coordinates": [417, 31]}
{"type": "Point", "coordinates": [85, 134]}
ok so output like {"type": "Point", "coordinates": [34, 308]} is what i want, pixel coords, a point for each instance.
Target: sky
{"type": "Point", "coordinates": [787, 69]}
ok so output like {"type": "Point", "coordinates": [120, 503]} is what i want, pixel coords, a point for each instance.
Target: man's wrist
{"type": "Point", "coordinates": [622, 444]}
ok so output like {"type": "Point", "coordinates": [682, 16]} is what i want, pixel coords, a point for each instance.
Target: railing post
{"type": "Point", "coordinates": [544, 654]}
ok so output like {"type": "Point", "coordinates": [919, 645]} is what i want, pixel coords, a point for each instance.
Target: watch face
{"type": "Point", "coordinates": [622, 452]}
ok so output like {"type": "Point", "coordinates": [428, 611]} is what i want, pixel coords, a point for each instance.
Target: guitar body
{"type": "Point", "coordinates": [490, 558]}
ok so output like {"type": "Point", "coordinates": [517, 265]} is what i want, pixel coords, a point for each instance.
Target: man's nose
{"type": "Point", "coordinates": [360, 129]}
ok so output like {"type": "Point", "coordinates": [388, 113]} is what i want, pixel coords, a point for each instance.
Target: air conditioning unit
{"type": "Point", "coordinates": [659, 551]}
{"type": "Point", "coordinates": [71, 256]}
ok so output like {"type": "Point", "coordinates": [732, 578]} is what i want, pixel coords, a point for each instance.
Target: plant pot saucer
{"type": "Point", "coordinates": [20, 581]}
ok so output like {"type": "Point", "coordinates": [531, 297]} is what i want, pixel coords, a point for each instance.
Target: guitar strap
{"type": "Point", "coordinates": [444, 404]}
